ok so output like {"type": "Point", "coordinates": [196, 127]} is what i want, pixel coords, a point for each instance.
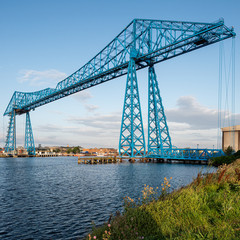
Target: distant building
{"type": "Point", "coordinates": [22, 151]}
{"type": "Point", "coordinates": [231, 137]}
{"type": "Point", "coordinates": [55, 150]}
{"type": "Point", "coordinates": [100, 151]}
{"type": "Point", "coordinates": [42, 150]}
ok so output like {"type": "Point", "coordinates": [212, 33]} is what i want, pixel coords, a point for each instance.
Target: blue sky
{"type": "Point", "coordinates": [44, 41]}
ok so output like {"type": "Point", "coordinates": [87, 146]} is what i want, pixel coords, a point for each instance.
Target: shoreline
{"type": "Point", "coordinates": [209, 207]}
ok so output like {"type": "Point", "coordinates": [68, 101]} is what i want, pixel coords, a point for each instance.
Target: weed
{"type": "Point", "coordinates": [221, 175]}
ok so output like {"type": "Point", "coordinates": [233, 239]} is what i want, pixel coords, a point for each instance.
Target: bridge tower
{"type": "Point", "coordinates": [10, 145]}
{"type": "Point", "coordinates": [29, 140]}
{"type": "Point", "coordinates": [132, 141]}
{"type": "Point", "coordinates": [158, 133]}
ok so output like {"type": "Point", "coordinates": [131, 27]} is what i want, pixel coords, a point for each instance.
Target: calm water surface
{"type": "Point", "coordinates": [55, 198]}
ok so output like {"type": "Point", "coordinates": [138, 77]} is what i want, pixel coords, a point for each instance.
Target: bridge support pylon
{"type": "Point", "coordinates": [132, 141]}
{"type": "Point", "coordinates": [158, 133]}
{"type": "Point", "coordinates": [29, 140]}
{"type": "Point", "coordinates": [10, 145]}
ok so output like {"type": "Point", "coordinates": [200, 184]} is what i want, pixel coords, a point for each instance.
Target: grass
{"type": "Point", "coordinates": [208, 208]}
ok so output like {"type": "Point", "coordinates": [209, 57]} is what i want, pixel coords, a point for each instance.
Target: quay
{"type": "Point", "coordinates": [185, 161]}
{"type": "Point", "coordinates": [27, 156]}
{"type": "Point", "coordinates": [162, 160]}
{"type": "Point", "coordinates": [105, 160]}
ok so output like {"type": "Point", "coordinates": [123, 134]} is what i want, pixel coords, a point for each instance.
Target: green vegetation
{"type": "Point", "coordinates": [208, 208]}
{"type": "Point", "coordinates": [227, 159]}
{"type": "Point", "coordinates": [57, 150]}
{"type": "Point", "coordinates": [74, 150]}
{"type": "Point", "coordinates": [229, 151]}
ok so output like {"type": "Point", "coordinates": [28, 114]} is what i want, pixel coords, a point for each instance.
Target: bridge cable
{"type": "Point", "coordinates": [226, 85]}
{"type": "Point", "coordinates": [220, 95]}
{"type": "Point", "coordinates": [233, 89]}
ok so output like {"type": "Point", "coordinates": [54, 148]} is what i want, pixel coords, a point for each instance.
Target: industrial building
{"type": "Point", "coordinates": [231, 137]}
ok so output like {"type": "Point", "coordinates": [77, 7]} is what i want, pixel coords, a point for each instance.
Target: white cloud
{"type": "Point", "coordinates": [38, 78]}
{"type": "Point", "coordinates": [91, 131]}
{"type": "Point", "coordinates": [189, 123]}
{"type": "Point", "coordinates": [91, 107]}
{"type": "Point", "coordinates": [196, 116]}
{"type": "Point", "coordinates": [83, 96]}
{"type": "Point", "coordinates": [104, 123]}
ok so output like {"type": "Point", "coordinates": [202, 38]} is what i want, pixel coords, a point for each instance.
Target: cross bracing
{"type": "Point", "coordinates": [146, 40]}
{"type": "Point", "coordinates": [158, 134]}
{"type": "Point", "coordinates": [132, 141]}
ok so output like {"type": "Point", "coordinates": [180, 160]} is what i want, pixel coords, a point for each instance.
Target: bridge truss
{"type": "Point", "coordinates": [141, 44]}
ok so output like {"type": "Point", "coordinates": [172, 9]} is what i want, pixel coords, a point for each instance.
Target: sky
{"type": "Point", "coordinates": [42, 42]}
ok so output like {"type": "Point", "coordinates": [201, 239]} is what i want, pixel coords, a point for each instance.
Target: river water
{"type": "Point", "coordinates": [55, 198]}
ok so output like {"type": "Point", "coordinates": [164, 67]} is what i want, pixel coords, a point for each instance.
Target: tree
{"type": "Point", "coordinates": [69, 150]}
{"type": "Point", "coordinates": [76, 150]}
{"type": "Point", "coordinates": [229, 151]}
{"type": "Point", "coordinates": [57, 150]}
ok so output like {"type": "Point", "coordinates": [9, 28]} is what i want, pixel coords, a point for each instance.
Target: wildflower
{"type": "Point", "coordinates": [109, 225]}
{"type": "Point", "coordinates": [94, 237]}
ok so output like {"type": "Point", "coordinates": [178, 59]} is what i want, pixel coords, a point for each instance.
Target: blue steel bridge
{"type": "Point", "coordinates": [141, 44]}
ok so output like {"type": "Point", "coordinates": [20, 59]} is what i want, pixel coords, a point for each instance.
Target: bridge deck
{"type": "Point", "coordinates": [186, 154]}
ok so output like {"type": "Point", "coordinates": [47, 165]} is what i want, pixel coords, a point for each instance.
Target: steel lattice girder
{"type": "Point", "coordinates": [132, 141]}
{"type": "Point", "coordinates": [186, 154]}
{"type": "Point", "coordinates": [29, 140]}
{"type": "Point", "coordinates": [10, 144]}
{"type": "Point", "coordinates": [158, 133]}
{"type": "Point", "coordinates": [148, 40]}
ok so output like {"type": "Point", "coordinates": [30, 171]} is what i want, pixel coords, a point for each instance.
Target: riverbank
{"type": "Point", "coordinates": [226, 159]}
{"type": "Point", "coordinates": [208, 208]}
